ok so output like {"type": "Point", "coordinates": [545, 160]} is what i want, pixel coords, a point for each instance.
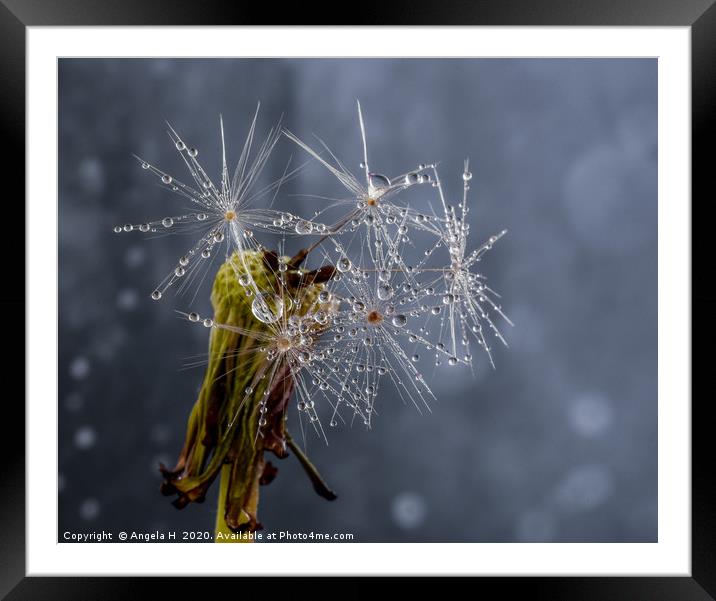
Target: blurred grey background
{"type": "Point", "coordinates": [559, 443]}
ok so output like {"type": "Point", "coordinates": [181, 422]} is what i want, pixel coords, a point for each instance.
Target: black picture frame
{"type": "Point", "coordinates": [699, 15]}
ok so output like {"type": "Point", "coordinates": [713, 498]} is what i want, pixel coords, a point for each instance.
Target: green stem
{"type": "Point", "coordinates": [221, 527]}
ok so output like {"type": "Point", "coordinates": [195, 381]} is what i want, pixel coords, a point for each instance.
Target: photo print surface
{"type": "Point", "coordinates": [534, 179]}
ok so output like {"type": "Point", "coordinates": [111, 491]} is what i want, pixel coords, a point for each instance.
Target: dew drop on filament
{"type": "Point", "coordinates": [303, 227]}
{"type": "Point", "coordinates": [385, 291]}
{"type": "Point", "coordinates": [399, 320]}
{"type": "Point", "coordinates": [411, 179]}
{"type": "Point", "coordinates": [344, 264]}
{"type": "Point", "coordinates": [378, 180]}
{"type": "Point", "coordinates": [267, 308]}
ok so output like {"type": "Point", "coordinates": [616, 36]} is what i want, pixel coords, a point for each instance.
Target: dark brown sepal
{"type": "Point", "coordinates": [269, 474]}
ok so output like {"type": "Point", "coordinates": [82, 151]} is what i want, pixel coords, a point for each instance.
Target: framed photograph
{"type": "Point", "coordinates": [410, 296]}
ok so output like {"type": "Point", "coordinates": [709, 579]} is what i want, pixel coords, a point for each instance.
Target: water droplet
{"type": "Point", "coordinates": [399, 320]}
{"type": "Point", "coordinates": [208, 322]}
{"type": "Point", "coordinates": [179, 271]}
{"type": "Point", "coordinates": [194, 317]}
{"type": "Point", "coordinates": [324, 296]}
{"type": "Point", "coordinates": [192, 152]}
{"type": "Point", "coordinates": [301, 405]}
{"type": "Point", "coordinates": [206, 253]}
{"type": "Point", "coordinates": [219, 236]}
{"type": "Point", "coordinates": [415, 358]}
{"type": "Point", "coordinates": [344, 264]}
{"type": "Point", "coordinates": [156, 295]}
{"type": "Point", "coordinates": [201, 216]}
{"type": "Point", "coordinates": [362, 165]}
{"type": "Point", "coordinates": [467, 176]}
{"type": "Point", "coordinates": [303, 227]}
{"type": "Point", "coordinates": [180, 145]}
{"type": "Point", "coordinates": [144, 227]}
{"type": "Point", "coordinates": [411, 178]}
{"type": "Point", "coordinates": [385, 291]}
{"type": "Point", "coordinates": [267, 308]}
{"type": "Point", "coordinates": [145, 165]}
{"type": "Point", "coordinates": [167, 222]}
{"type": "Point", "coordinates": [167, 179]}
{"type": "Point", "coordinates": [452, 361]}
{"type": "Point", "coordinates": [384, 275]}
{"type": "Point", "coordinates": [117, 229]}
{"type": "Point", "coordinates": [128, 228]}
{"type": "Point", "coordinates": [436, 310]}
{"type": "Point", "coordinates": [244, 279]}
{"type": "Point", "coordinates": [448, 299]}
{"type": "Point", "coordinates": [377, 180]}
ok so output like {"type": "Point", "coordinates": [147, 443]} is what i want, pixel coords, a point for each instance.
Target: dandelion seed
{"type": "Point", "coordinates": [382, 315]}
{"type": "Point", "coordinates": [467, 296]}
{"type": "Point", "coordinates": [222, 214]}
{"type": "Point", "coordinates": [371, 203]}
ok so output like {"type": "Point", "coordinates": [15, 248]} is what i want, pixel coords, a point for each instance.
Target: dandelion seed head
{"type": "Point", "coordinates": [402, 289]}
{"type": "Point", "coordinates": [284, 344]}
{"type": "Point", "coordinates": [374, 317]}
